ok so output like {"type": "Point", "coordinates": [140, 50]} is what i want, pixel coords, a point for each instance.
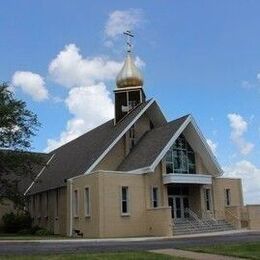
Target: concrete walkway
{"type": "Point", "coordinates": [128, 239]}
{"type": "Point", "coordinates": [192, 255]}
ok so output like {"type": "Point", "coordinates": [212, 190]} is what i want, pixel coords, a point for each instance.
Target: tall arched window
{"type": "Point", "coordinates": [180, 158]}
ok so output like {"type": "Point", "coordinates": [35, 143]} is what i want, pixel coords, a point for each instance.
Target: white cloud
{"type": "Point", "coordinates": [250, 176]}
{"type": "Point", "coordinates": [238, 128]}
{"type": "Point", "coordinates": [90, 106]}
{"type": "Point", "coordinates": [120, 21]}
{"type": "Point", "coordinates": [70, 69]}
{"type": "Point", "coordinates": [31, 83]}
{"type": "Point", "coordinates": [212, 145]}
{"type": "Point", "coordinates": [89, 101]}
{"type": "Point", "coordinates": [258, 76]}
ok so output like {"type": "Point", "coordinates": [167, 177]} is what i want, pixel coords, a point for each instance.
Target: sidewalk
{"type": "Point", "coordinates": [192, 255]}
{"type": "Point", "coordinates": [128, 239]}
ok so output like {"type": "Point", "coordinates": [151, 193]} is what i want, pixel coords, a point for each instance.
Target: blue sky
{"type": "Point", "coordinates": [199, 57]}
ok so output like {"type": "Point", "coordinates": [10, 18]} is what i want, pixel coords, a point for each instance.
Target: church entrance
{"type": "Point", "coordinates": [179, 200]}
{"type": "Point", "coordinates": [179, 205]}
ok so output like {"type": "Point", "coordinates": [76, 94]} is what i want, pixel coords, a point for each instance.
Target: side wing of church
{"type": "Point", "coordinates": [135, 175]}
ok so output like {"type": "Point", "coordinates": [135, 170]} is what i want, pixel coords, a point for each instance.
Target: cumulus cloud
{"type": "Point", "coordinates": [212, 145]}
{"type": "Point", "coordinates": [122, 20]}
{"type": "Point", "coordinates": [250, 175]}
{"type": "Point", "coordinates": [31, 83]}
{"type": "Point", "coordinates": [90, 106]}
{"type": "Point", "coordinates": [238, 129]}
{"type": "Point", "coordinates": [70, 69]}
{"type": "Point", "coordinates": [89, 101]}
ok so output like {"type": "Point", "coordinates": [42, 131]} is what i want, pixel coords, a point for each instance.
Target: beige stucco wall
{"type": "Point", "coordinates": [219, 186]}
{"type": "Point", "coordinates": [118, 153]}
{"type": "Point", "coordinates": [90, 225]}
{"type": "Point", "coordinates": [106, 219]}
{"type": "Point", "coordinates": [253, 212]}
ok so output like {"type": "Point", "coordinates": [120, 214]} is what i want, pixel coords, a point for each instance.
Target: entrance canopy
{"type": "Point", "coordinates": [187, 178]}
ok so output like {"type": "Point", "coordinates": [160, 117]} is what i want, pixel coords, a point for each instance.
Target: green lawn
{"type": "Point", "coordinates": [243, 250]}
{"type": "Point", "coordinates": [99, 256]}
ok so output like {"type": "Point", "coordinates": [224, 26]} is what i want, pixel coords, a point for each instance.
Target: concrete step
{"type": "Point", "coordinates": [204, 226]}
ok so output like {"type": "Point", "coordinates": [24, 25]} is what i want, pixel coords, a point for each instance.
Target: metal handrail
{"type": "Point", "coordinates": [195, 217]}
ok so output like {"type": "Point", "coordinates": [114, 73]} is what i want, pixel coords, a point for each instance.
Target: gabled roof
{"type": "Point", "coordinates": [82, 154]}
{"type": "Point", "coordinates": [148, 149]}
{"type": "Point", "coordinates": [153, 146]}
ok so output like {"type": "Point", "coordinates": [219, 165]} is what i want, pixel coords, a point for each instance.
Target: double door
{"type": "Point", "coordinates": [178, 205]}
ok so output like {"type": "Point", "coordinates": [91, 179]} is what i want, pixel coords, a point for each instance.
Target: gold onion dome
{"type": "Point", "coordinates": [129, 75]}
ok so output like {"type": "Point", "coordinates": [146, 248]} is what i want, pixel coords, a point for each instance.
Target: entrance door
{"type": "Point", "coordinates": [178, 205]}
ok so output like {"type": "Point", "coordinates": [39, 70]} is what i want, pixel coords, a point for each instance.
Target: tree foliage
{"type": "Point", "coordinates": [17, 126]}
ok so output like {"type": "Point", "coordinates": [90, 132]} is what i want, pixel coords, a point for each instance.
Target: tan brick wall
{"type": "Point", "coordinates": [106, 219]}
{"type": "Point", "coordinates": [122, 148]}
{"type": "Point", "coordinates": [253, 216]}
{"type": "Point", "coordinates": [219, 186]}
{"type": "Point", "coordinates": [90, 225]}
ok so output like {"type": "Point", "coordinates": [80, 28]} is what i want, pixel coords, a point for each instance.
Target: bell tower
{"type": "Point", "coordinates": [129, 85]}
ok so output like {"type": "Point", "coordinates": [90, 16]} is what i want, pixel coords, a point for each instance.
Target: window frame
{"type": "Point", "coordinates": [208, 200]}
{"type": "Point", "coordinates": [154, 201]}
{"type": "Point", "coordinates": [180, 150]}
{"type": "Point", "coordinates": [127, 213]}
{"type": "Point", "coordinates": [228, 197]}
{"type": "Point", "coordinates": [87, 203]}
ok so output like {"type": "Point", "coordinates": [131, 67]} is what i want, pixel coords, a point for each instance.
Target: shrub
{"type": "Point", "coordinates": [34, 229]}
{"type": "Point", "coordinates": [43, 232]}
{"type": "Point", "coordinates": [13, 223]}
{"type": "Point", "coordinates": [24, 232]}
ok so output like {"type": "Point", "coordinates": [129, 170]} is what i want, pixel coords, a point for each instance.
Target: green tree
{"type": "Point", "coordinates": [17, 126]}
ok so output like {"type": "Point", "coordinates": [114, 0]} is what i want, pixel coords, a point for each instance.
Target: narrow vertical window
{"type": "Point", "coordinates": [228, 198]}
{"type": "Point", "coordinates": [154, 197]}
{"type": "Point", "coordinates": [47, 204]}
{"type": "Point", "coordinates": [124, 201]}
{"type": "Point", "coordinates": [76, 203]}
{"type": "Point", "coordinates": [87, 202]}
{"type": "Point", "coordinates": [208, 199]}
{"type": "Point", "coordinates": [57, 203]}
{"type": "Point", "coordinates": [33, 205]}
{"type": "Point", "coordinates": [40, 205]}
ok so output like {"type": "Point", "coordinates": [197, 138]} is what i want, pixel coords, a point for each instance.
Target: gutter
{"type": "Point", "coordinates": [38, 175]}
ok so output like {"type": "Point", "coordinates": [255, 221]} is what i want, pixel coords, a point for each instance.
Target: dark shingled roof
{"type": "Point", "coordinates": [150, 146]}
{"type": "Point", "coordinates": [75, 157]}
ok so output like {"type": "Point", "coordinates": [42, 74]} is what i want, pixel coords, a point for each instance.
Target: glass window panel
{"type": "Point", "coordinates": [124, 207]}
{"type": "Point", "coordinates": [169, 168]}
{"type": "Point", "coordinates": [169, 156]}
{"type": "Point", "coordinates": [124, 193]}
{"type": "Point", "coordinates": [182, 157]}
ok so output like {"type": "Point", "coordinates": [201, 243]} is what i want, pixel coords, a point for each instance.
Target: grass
{"type": "Point", "coordinates": [93, 256]}
{"type": "Point", "coordinates": [243, 250]}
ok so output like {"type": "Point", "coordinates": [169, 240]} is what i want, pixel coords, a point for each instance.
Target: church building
{"type": "Point", "coordinates": [135, 175]}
